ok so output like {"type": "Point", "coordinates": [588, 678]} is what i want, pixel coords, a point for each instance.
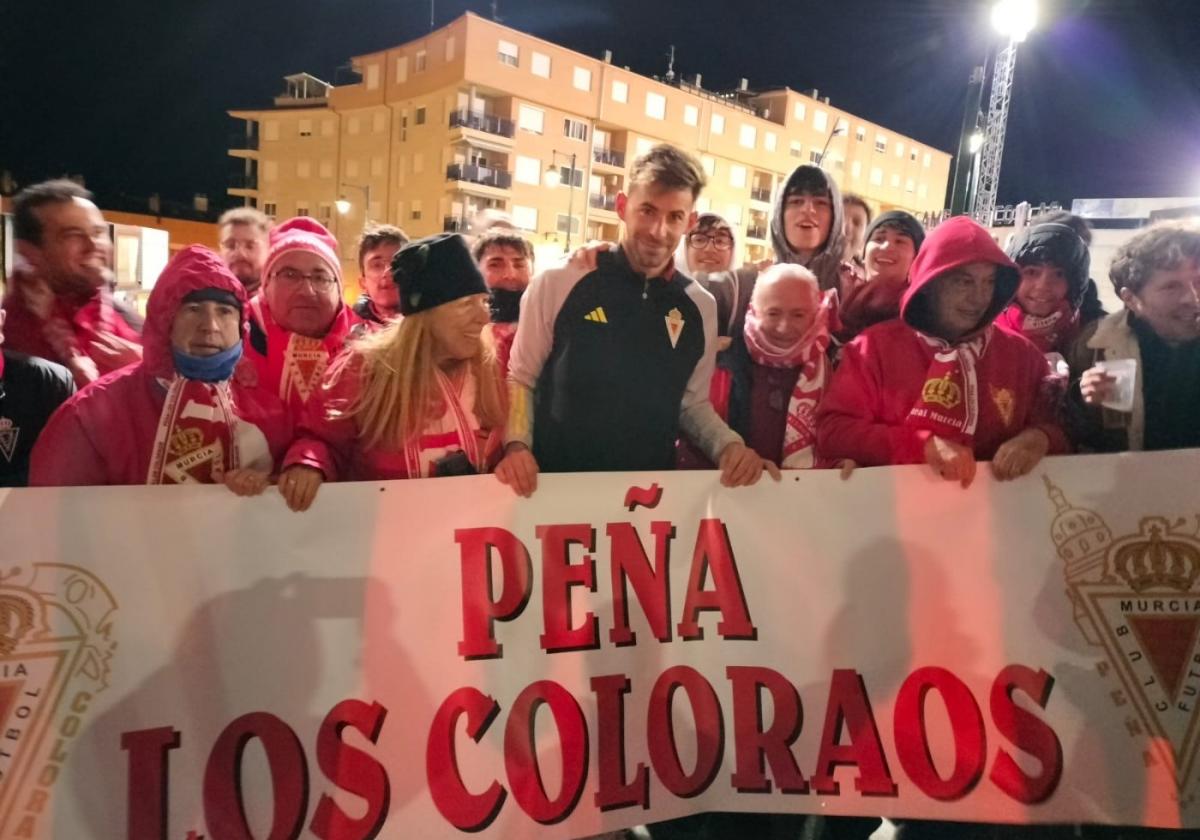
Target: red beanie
{"type": "Point", "coordinates": [303, 234]}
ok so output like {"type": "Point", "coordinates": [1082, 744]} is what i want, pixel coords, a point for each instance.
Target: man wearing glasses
{"type": "Point", "coordinates": [298, 320]}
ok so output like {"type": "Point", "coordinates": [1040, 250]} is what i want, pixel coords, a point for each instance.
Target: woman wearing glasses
{"type": "Point", "coordinates": [298, 321]}
{"type": "Point", "coordinates": [422, 397]}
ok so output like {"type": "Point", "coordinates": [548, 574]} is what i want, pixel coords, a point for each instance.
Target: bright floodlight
{"type": "Point", "coordinates": [552, 177]}
{"type": "Point", "coordinates": [975, 142]}
{"type": "Point", "coordinates": [1015, 18]}
{"type": "Point", "coordinates": [343, 206]}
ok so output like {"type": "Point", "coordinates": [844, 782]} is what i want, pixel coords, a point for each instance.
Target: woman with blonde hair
{"type": "Point", "coordinates": [423, 397]}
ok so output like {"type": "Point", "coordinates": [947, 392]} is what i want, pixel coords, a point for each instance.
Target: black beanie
{"type": "Point", "coordinates": [906, 222]}
{"type": "Point", "coordinates": [215, 295]}
{"type": "Point", "coordinates": [435, 270]}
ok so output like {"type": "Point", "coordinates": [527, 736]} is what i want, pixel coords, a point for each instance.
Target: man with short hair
{"type": "Point", "coordinates": [505, 259]}
{"type": "Point", "coordinates": [244, 238]}
{"type": "Point", "coordinates": [893, 240]}
{"type": "Point", "coordinates": [857, 217]}
{"type": "Point", "coordinates": [1157, 275]}
{"type": "Point", "coordinates": [60, 305]}
{"type": "Point", "coordinates": [379, 303]}
{"type": "Point", "coordinates": [298, 321]}
{"type": "Point", "coordinates": [611, 364]}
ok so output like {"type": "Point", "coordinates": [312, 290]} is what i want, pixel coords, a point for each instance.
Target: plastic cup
{"type": "Point", "coordinates": [1124, 371]}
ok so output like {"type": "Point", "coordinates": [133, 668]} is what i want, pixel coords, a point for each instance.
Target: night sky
{"type": "Point", "coordinates": [133, 93]}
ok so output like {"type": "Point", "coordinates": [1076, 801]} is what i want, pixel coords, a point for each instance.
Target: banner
{"type": "Point", "coordinates": [436, 658]}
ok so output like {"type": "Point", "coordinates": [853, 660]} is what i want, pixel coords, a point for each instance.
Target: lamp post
{"type": "Point", "coordinates": [838, 131]}
{"type": "Point", "coordinates": [552, 179]}
{"type": "Point", "coordinates": [344, 205]}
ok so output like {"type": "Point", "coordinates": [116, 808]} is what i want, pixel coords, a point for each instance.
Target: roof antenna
{"type": "Point", "coordinates": [496, 11]}
{"type": "Point", "coordinates": [671, 64]}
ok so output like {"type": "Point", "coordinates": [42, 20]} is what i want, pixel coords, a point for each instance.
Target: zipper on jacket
{"type": "Point", "coordinates": [645, 288]}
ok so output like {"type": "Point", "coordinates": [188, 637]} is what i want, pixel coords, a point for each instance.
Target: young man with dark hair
{"type": "Point", "coordinates": [243, 235]}
{"type": "Point", "coordinates": [505, 258]}
{"type": "Point", "coordinates": [857, 217]}
{"type": "Point", "coordinates": [379, 303]}
{"type": "Point", "coordinates": [1157, 275]}
{"type": "Point", "coordinates": [611, 364]}
{"type": "Point", "coordinates": [60, 305]}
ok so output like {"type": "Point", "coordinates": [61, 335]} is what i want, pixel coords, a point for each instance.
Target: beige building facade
{"type": "Point", "coordinates": [474, 114]}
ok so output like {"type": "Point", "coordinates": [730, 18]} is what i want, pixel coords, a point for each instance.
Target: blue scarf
{"type": "Point", "coordinates": [216, 368]}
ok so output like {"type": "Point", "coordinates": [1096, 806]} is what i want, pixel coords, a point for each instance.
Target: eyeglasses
{"type": "Point", "coordinates": [321, 281]}
{"type": "Point", "coordinates": [703, 240]}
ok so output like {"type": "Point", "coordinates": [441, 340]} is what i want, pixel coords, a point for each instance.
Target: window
{"type": "Point", "coordinates": [352, 125]}
{"type": "Point", "coordinates": [691, 115]}
{"type": "Point", "coordinates": [860, 134]}
{"type": "Point", "coordinates": [795, 149]}
{"type": "Point", "coordinates": [528, 170]}
{"type": "Point", "coordinates": [717, 125]}
{"type": "Point", "coordinates": [303, 169]}
{"type": "Point", "coordinates": [401, 168]}
{"type": "Point", "coordinates": [814, 157]}
{"type": "Point", "coordinates": [524, 217]}
{"type": "Point", "coordinates": [748, 136]}
{"type": "Point", "coordinates": [415, 214]}
{"type": "Point", "coordinates": [301, 209]}
{"type": "Point", "coordinates": [770, 141]}
{"type": "Point", "coordinates": [922, 191]}
{"type": "Point", "coordinates": [305, 127]}
{"type": "Point", "coordinates": [856, 169]}
{"type": "Point", "coordinates": [842, 126]}
{"type": "Point", "coordinates": [703, 204]}
{"type": "Point", "coordinates": [899, 150]}
{"type": "Point", "coordinates": [271, 130]}
{"type": "Point", "coordinates": [377, 167]}
{"type": "Point", "coordinates": [420, 62]}
{"type": "Point", "coordinates": [372, 77]}
{"type": "Point", "coordinates": [895, 179]}
{"type": "Point", "coordinates": [927, 160]}
{"type": "Point", "coordinates": [620, 91]}
{"type": "Point", "coordinates": [269, 209]}
{"type": "Point", "coordinates": [352, 168]}
{"type": "Point", "coordinates": [328, 127]}
{"type": "Point", "coordinates": [582, 78]}
{"type": "Point", "coordinates": [913, 156]}
{"type": "Point", "coordinates": [910, 185]}
{"type": "Point", "coordinates": [656, 106]}
{"type": "Point", "coordinates": [820, 120]}
{"type": "Point", "coordinates": [709, 165]}
{"type": "Point", "coordinates": [419, 116]}
{"type": "Point", "coordinates": [401, 69]}
{"type": "Point", "coordinates": [379, 122]}
{"type": "Point", "coordinates": [566, 176]}
{"type": "Point", "coordinates": [734, 214]}
{"type": "Point", "coordinates": [877, 176]}
{"type": "Point", "coordinates": [449, 49]}
{"type": "Point", "coordinates": [575, 129]}
{"type": "Point", "coordinates": [539, 65]}
{"type": "Point", "coordinates": [737, 176]}
{"type": "Point", "coordinates": [270, 170]}
{"type": "Point", "coordinates": [531, 119]}
{"type": "Point", "coordinates": [508, 53]}
{"type": "Point", "coordinates": [326, 169]}
{"type": "Point", "coordinates": [799, 111]}
{"type": "Point", "coordinates": [642, 146]}
{"type": "Point", "coordinates": [881, 142]}
{"type": "Point", "coordinates": [562, 223]}
{"type": "Point", "coordinates": [325, 212]}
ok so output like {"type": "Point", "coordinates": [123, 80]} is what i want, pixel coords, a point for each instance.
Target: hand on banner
{"type": "Point", "coordinates": [585, 257]}
{"type": "Point", "coordinates": [952, 461]}
{"type": "Point", "coordinates": [741, 466]}
{"type": "Point", "coordinates": [518, 469]}
{"type": "Point", "coordinates": [1096, 385]}
{"type": "Point", "coordinates": [115, 351]}
{"type": "Point", "coordinates": [847, 468]}
{"type": "Point", "coordinates": [247, 482]}
{"type": "Point", "coordinates": [299, 485]}
{"type": "Point", "coordinates": [1018, 456]}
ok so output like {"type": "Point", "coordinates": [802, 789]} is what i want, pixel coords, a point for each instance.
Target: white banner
{"type": "Point", "coordinates": [431, 658]}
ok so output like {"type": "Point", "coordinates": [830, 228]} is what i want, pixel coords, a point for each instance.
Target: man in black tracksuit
{"type": "Point", "coordinates": [611, 364]}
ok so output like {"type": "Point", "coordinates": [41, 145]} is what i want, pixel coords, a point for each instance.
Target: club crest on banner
{"type": "Point", "coordinates": [1138, 597]}
{"type": "Point", "coordinates": [8, 438]}
{"type": "Point", "coordinates": [56, 646]}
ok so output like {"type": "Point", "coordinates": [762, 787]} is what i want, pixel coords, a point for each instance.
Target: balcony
{"type": "Point", "coordinates": [601, 201]}
{"type": "Point", "coordinates": [240, 181]}
{"type": "Point", "coordinates": [607, 157]}
{"type": "Point", "coordinates": [481, 175]}
{"type": "Point", "coordinates": [453, 224]}
{"type": "Point", "coordinates": [241, 141]}
{"type": "Point", "coordinates": [762, 194]}
{"type": "Point", "coordinates": [487, 123]}
{"type": "Point", "coordinates": [756, 232]}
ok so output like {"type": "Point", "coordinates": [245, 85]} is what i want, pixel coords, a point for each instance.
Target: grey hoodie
{"type": "Point", "coordinates": [827, 261]}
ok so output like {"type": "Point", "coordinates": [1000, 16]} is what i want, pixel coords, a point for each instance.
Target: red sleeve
{"type": "Point", "coordinates": [1047, 410]}
{"type": "Point", "coordinates": [848, 420]}
{"type": "Point", "coordinates": [325, 436]}
{"type": "Point", "coordinates": [65, 455]}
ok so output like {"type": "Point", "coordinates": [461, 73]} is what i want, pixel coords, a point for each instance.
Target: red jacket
{"type": "Point", "coordinates": [882, 373]}
{"type": "Point", "coordinates": [105, 434]}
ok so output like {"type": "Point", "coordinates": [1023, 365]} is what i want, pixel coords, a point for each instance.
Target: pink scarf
{"type": "Point", "coordinates": [1048, 332]}
{"type": "Point", "coordinates": [949, 401]}
{"type": "Point", "coordinates": [808, 354]}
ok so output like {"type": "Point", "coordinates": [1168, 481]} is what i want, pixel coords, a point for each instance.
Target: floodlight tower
{"type": "Point", "coordinates": [1013, 19]}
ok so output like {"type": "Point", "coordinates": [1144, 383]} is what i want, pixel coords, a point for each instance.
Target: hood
{"type": "Point", "coordinates": [681, 260]}
{"type": "Point", "coordinates": [1057, 245]}
{"type": "Point", "coordinates": [956, 242]}
{"type": "Point", "coordinates": [828, 259]}
{"type": "Point", "coordinates": [192, 269]}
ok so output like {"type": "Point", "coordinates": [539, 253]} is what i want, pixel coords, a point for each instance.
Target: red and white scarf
{"type": "Point", "coordinates": [456, 429]}
{"type": "Point", "coordinates": [1048, 332]}
{"type": "Point", "coordinates": [196, 438]}
{"type": "Point", "coordinates": [949, 401]}
{"type": "Point", "coordinates": [809, 354]}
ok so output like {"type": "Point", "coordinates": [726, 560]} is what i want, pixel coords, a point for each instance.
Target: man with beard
{"type": "Point", "coordinates": [243, 234]}
{"type": "Point", "coordinates": [60, 305]}
{"type": "Point", "coordinates": [611, 364]}
{"type": "Point", "coordinates": [505, 259]}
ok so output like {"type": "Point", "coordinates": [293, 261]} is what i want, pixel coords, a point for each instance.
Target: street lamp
{"type": "Point", "coordinates": [343, 204]}
{"type": "Point", "coordinates": [975, 141]}
{"type": "Point", "coordinates": [838, 130]}
{"type": "Point", "coordinates": [552, 178]}
{"type": "Point", "coordinates": [1015, 19]}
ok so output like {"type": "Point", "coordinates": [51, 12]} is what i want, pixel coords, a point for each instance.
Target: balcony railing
{"type": "Point", "coordinates": [609, 157]}
{"type": "Point", "coordinates": [756, 232]}
{"type": "Point", "coordinates": [243, 182]}
{"type": "Point", "coordinates": [487, 123]}
{"type": "Point", "coordinates": [760, 194]}
{"type": "Point", "coordinates": [479, 175]}
{"type": "Point", "coordinates": [603, 202]}
{"type": "Point", "coordinates": [453, 224]}
{"type": "Point", "coordinates": [242, 140]}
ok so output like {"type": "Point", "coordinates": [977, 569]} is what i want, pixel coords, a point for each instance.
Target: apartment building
{"type": "Point", "coordinates": [475, 115]}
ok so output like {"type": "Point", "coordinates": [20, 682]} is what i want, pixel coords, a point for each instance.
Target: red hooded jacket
{"type": "Point", "coordinates": [882, 373]}
{"type": "Point", "coordinates": [105, 434]}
